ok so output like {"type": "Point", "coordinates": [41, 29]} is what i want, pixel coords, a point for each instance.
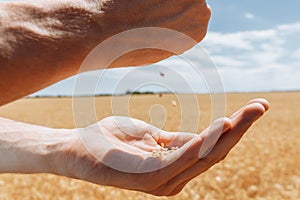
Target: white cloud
{"type": "Point", "coordinates": [249, 16]}
{"type": "Point", "coordinates": [258, 35]}
{"type": "Point", "coordinates": [293, 27]}
{"type": "Point", "coordinates": [296, 54]}
{"type": "Point", "coordinates": [222, 61]}
{"type": "Point", "coordinates": [258, 60]}
{"type": "Point", "coordinates": [239, 40]}
{"type": "Point", "coordinates": [231, 40]}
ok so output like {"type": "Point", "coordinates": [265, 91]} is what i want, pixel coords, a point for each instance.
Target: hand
{"type": "Point", "coordinates": [43, 42]}
{"type": "Point", "coordinates": [186, 17]}
{"type": "Point", "coordinates": [133, 145]}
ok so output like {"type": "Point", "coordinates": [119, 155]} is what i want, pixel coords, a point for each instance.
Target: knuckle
{"type": "Point", "coordinates": [207, 13]}
{"type": "Point", "coordinates": [222, 158]}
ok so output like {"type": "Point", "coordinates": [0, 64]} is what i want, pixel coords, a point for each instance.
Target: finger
{"type": "Point", "coordinates": [130, 128]}
{"type": "Point", "coordinates": [241, 123]}
{"type": "Point", "coordinates": [173, 139]}
{"type": "Point", "coordinates": [178, 189]}
{"type": "Point", "coordinates": [264, 102]}
{"type": "Point", "coordinates": [188, 155]}
{"type": "Point", "coordinates": [127, 127]}
{"type": "Point", "coordinates": [212, 134]}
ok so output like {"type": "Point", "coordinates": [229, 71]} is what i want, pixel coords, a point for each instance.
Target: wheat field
{"type": "Point", "coordinates": [264, 165]}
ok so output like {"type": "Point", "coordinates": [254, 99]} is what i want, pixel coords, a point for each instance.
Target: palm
{"type": "Point", "coordinates": [133, 146]}
{"type": "Point", "coordinates": [122, 151]}
{"type": "Point", "coordinates": [134, 135]}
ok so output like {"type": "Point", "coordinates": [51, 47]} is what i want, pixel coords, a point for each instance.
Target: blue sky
{"type": "Point", "coordinates": [255, 46]}
{"type": "Point", "coordinates": [232, 15]}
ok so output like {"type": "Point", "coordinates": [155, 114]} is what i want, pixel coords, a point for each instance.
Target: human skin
{"type": "Point", "coordinates": [63, 152]}
{"type": "Point", "coordinates": [43, 42]}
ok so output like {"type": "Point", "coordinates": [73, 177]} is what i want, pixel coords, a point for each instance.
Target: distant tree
{"type": "Point", "coordinates": [129, 92]}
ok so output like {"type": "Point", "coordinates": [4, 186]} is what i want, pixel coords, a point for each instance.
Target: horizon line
{"type": "Point", "coordinates": [157, 93]}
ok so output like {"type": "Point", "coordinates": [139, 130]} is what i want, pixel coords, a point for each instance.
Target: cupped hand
{"type": "Point", "coordinates": [123, 152]}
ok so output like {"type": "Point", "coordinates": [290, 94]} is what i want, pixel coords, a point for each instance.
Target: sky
{"type": "Point", "coordinates": [254, 46]}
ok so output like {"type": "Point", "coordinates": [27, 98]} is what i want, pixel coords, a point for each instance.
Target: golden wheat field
{"type": "Point", "coordinates": [264, 165]}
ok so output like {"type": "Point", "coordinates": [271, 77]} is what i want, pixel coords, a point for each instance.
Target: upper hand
{"type": "Point", "coordinates": [185, 17]}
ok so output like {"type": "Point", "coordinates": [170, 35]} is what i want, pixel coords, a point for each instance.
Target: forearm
{"type": "Point", "coordinates": [42, 44]}
{"type": "Point", "coordinates": [26, 148]}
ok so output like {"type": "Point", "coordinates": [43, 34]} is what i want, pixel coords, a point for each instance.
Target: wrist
{"type": "Point", "coordinates": [74, 160]}
{"type": "Point", "coordinates": [31, 149]}
{"type": "Point", "coordinates": [60, 153]}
